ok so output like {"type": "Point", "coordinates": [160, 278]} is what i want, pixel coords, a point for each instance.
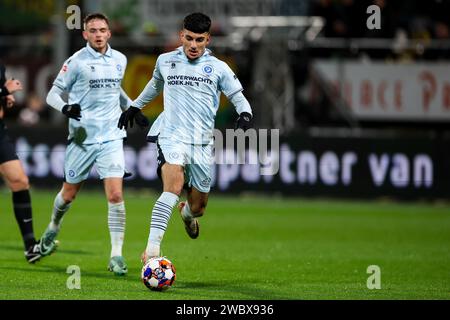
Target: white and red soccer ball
{"type": "Point", "coordinates": [158, 274]}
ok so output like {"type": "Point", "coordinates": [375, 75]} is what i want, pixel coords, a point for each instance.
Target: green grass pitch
{"type": "Point", "coordinates": [252, 248]}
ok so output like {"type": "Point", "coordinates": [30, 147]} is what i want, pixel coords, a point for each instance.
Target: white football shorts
{"type": "Point", "coordinates": [108, 158]}
{"type": "Point", "coordinates": [196, 159]}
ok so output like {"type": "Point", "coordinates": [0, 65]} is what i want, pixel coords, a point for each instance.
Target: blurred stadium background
{"type": "Point", "coordinates": [363, 114]}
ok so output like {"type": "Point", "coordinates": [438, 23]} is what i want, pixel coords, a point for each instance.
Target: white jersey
{"type": "Point", "coordinates": [93, 80]}
{"type": "Point", "coordinates": [191, 95]}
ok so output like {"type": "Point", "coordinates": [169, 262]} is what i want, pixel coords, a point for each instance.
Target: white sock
{"type": "Point", "coordinates": [186, 213]}
{"type": "Point", "coordinates": [116, 225]}
{"type": "Point", "coordinates": [160, 218]}
{"type": "Point", "coordinates": [59, 209]}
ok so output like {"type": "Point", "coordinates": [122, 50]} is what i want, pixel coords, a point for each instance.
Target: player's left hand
{"type": "Point", "coordinates": [131, 115]}
{"type": "Point", "coordinates": [244, 122]}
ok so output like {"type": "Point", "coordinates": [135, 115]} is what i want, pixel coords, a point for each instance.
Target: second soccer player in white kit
{"type": "Point", "coordinates": [92, 77]}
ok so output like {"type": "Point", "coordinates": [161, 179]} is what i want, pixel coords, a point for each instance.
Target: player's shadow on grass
{"type": "Point", "coordinates": [7, 247]}
{"type": "Point", "coordinates": [244, 292]}
{"type": "Point", "coordinates": [36, 268]}
{"type": "Point", "coordinates": [77, 252]}
{"type": "Point", "coordinates": [11, 248]}
{"type": "Point", "coordinates": [63, 270]}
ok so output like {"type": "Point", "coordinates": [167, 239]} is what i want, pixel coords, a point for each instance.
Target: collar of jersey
{"type": "Point", "coordinates": [205, 54]}
{"type": "Point", "coordinates": [97, 54]}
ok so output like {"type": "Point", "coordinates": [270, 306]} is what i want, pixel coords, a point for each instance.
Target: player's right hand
{"type": "Point", "coordinates": [131, 115]}
{"type": "Point", "coordinates": [72, 111]}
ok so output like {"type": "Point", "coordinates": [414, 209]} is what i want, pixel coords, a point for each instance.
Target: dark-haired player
{"type": "Point", "coordinates": [192, 80]}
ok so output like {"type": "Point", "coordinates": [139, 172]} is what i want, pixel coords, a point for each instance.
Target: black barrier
{"type": "Point", "coordinates": [329, 166]}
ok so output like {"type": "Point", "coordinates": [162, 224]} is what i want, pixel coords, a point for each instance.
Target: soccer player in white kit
{"type": "Point", "coordinates": [92, 77]}
{"type": "Point", "coordinates": [192, 80]}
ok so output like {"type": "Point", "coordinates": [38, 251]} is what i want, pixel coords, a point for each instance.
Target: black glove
{"type": "Point", "coordinates": [72, 111]}
{"type": "Point", "coordinates": [131, 115]}
{"type": "Point", "coordinates": [244, 122]}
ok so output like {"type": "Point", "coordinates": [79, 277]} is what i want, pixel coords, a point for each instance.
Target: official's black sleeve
{"type": "Point", "coordinates": [3, 90]}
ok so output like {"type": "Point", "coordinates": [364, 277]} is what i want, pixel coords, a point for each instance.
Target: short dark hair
{"type": "Point", "coordinates": [93, 16]}
{"type": "Point", "coordinates": [197, 22]}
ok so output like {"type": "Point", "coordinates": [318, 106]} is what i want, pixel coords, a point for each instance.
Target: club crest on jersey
{"type": "Point", "coordinates": [119, 67]}
{"type": "Point", "coordinates": [71, 173]}
{"type": "Point", "coordinates": [207, 69]}
{"type": "Point", "coordinates": [92, 68]}
{"type": "Point", "coordinates": [174, 155]}
{"type": "Point", "coordinates": [173, 65]}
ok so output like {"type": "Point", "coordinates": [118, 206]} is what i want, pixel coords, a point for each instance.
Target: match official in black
{"type": "Point", "coordinates": [13, 173]}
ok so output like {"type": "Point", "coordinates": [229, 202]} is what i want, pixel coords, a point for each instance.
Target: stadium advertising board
{"type": "Point", "coordinates": [370, 167]}
{"type": "Point", "coordinates": [396, 92]}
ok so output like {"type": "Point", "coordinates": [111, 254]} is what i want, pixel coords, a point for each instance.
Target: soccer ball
{"type": "Point", "coordinates": [158, 274]}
